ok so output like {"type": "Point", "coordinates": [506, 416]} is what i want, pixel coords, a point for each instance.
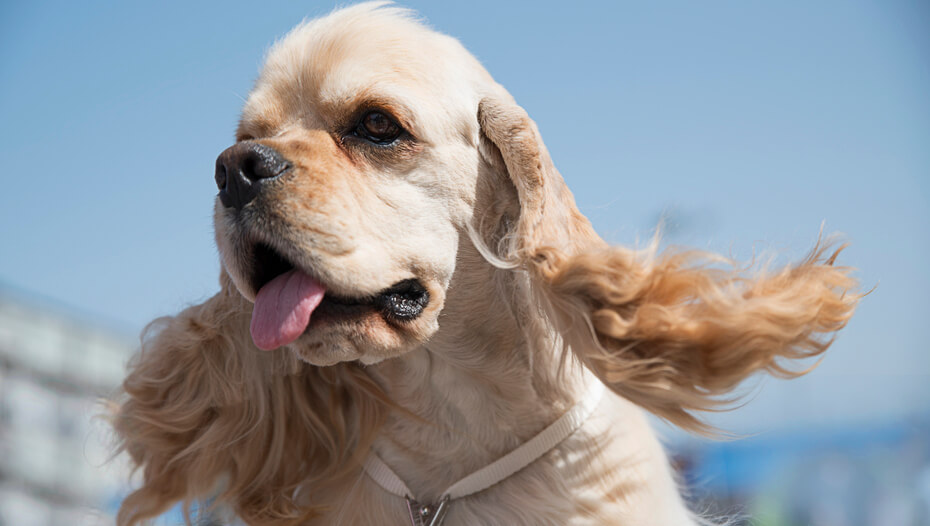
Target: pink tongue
{"type": "Point", "coordinates": [282, 309]}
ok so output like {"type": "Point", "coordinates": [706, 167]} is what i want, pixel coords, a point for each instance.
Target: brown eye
{"type": "Point", "coordinates": [377, 128]}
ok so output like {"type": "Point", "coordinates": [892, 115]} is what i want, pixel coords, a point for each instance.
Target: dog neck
{"type": "Point", "coordinates": [483, 385]}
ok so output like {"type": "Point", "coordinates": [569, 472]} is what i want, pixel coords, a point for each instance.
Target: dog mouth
{"type": "Point", "coordinates": [291, 301]}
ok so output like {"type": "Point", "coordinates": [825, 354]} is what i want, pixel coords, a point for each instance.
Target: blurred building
{"type": "Point", "coordinates": [54, 454]}
{"type": "Point", "coordinates": [867, 475]}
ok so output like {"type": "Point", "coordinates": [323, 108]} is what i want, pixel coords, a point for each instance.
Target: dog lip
{"type": "Point", "coordinates": [402, 301]}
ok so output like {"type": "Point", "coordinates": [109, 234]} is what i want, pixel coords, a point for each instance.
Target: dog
{"type": "Point", "coordinates": [409, 295]}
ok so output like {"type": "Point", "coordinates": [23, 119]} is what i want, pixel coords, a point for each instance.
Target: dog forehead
{"type": "Point", "coordinates": [376, 43]}
{"type": "Point", "coordinates": [363, 52]}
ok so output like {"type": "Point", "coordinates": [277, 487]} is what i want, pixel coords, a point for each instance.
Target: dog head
{"type": "Point", "coordinates": [354, 174]}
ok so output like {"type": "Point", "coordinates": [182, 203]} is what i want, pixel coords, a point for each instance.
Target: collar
{"type": "Point", "coordinates": [502, 468]}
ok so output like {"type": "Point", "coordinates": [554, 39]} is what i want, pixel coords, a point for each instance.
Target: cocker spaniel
{"type": "Point", "coordinates": [415, 322]}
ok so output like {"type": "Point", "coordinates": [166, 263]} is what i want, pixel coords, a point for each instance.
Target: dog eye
{"type": "Point", "coordinates": [377, 128]}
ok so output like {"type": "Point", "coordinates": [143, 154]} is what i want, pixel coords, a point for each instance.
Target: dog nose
{"type": "Point", "coordinates": [242, 169]}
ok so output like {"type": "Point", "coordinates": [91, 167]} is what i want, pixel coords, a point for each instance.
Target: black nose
{"type": "Point", "coordinates": [242, 168]}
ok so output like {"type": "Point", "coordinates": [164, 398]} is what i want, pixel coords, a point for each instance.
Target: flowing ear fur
{"type": "Point", "coordinates": [206, 413]}
{"type": "Point", "coordinates": [672, 332]}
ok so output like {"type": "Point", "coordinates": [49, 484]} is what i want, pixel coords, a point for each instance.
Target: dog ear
{"type": "Point", "coordinates": [205, 412]}
{"type": "Point", "coordinates": [672, 332]}
{"type": "Point", "coordinates": [677, 331]}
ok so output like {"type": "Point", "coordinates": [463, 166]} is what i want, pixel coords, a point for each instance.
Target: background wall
{"type": "Point", "coordinates": [744, 125]}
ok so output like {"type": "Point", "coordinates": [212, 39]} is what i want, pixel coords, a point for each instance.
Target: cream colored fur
{"type": "Point", "coordinates": [527, 304]}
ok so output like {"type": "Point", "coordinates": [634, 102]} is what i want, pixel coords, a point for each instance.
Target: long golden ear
{"type": "Point", "coordinates": [205, 412]}
{"type": "Point", "coordinates": [672, 332]}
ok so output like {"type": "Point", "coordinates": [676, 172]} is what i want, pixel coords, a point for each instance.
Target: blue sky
{"type": "Point", "coordinates": [745, 124]}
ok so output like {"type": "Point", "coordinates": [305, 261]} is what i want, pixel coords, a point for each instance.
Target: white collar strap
{"type": "Point", "coordinates": [494, 472]}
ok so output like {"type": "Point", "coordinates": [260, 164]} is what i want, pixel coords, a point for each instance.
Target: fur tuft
{"type": "Point", "coordinates": [202, 405]}
{"type": "Point", "coordinates": [673, 332]}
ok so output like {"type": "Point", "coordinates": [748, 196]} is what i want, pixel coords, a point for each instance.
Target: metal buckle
{"type": "Point", "coordinates": [427, 514]}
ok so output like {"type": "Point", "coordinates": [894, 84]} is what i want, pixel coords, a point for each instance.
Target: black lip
{"type": "Point", "coordinates": [404, 301]}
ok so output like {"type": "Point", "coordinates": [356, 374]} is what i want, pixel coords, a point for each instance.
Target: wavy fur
{"type": "Point", "coordinates": [672, 333]}
{"type": "Point", "coordinates": [203, 406]}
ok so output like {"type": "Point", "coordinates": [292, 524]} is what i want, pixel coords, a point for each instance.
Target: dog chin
{"type": "Point", "coordinates": [324, 355]}
{"type": "Point", "coordinates": [341, 348]}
